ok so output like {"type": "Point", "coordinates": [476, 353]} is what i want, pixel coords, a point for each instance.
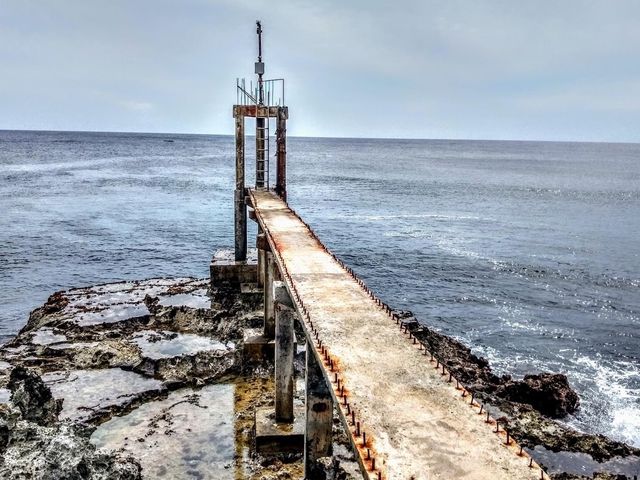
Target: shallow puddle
{"type": "Point", "coordinates": [203, 434]}
{"type": "Point", "coordinates": [121, 301]}
{"type": "Point", "coordinates": [5, 395]}
{"type": "Point", "coordinates": [114, 313]}
{"type": "Point", "coordinates": [88, 391]}
{"type": "Point", "coordinates": [195, 299]}
{"type": "Point", "coordinates": [74, 345]}
{"type": "Point", "coordinates": [45, 336]}
{"type": "Point", "coordinates": [157, 345]}
{"type": "Point", "coordinates": [584, 464]}
{"type": "Point", "coordinates": [188, 435]}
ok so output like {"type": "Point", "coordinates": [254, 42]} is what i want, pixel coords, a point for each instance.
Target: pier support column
{"type": "Point", "coordinates": [240, 209]}
{"type": "Point", "coordinates": [281, 144]}
{"type": "Point", "coordinates": [284, 352]}
{"type": "Point", "coordinates": [269, 277]}
{"type": "Point", "coordinates": [319, 421]}
{"type": "Point", "coordinates": [263, 247]}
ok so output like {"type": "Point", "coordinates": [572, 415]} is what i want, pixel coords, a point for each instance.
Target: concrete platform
{"type": "Point", "coordinates": [227, 272]}
{"type": "Point", "coordinates": [273, 438]}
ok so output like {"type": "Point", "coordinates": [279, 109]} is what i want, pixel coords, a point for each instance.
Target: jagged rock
{"type": "Point", "coordinates": [549, 393]}
{"type": "Point", "coordinates": [34, 444]}
{"type": "Point", "coordinates": [329, 468]}
{"type": "Point", "coordinates": [596, 476]}
{"type": "Point", "coordinates": [55, 303]}
{"type": "Point", "coordinates": [153, 304]}
{"type": "Point", "coordinates": [56, 453]}
{"type": "Point", "coordinates": [528, 425]}
{"type": "Point", "coordinates": [9, 416]}
{"type": "Point", "coordinates": [30, 394]}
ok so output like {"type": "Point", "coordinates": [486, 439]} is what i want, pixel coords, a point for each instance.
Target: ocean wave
{"type": "Point", "coordinates": [611, 403]}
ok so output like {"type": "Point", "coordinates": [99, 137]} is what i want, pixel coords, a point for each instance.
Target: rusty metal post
{"type": "Point", "coordinates": [240, 209]}
{"type": "Point", "coordinates": [284, 352]}
{"type": "Point", "coordinates": [269, 277]}
{"type": "Point", "coordinates": [319, 422]}
{"type": "Point", "coordinates": [281, 145]}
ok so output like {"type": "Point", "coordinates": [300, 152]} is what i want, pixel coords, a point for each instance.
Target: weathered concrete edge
{"type": "Point", "coordinates": [314, 349]}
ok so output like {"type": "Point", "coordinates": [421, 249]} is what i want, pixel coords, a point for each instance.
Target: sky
{"type": "Point", "coordinates": [473, 69]}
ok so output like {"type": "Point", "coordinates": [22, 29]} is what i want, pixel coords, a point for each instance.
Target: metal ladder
{"type": "Point", "coordinates": [262, 153]}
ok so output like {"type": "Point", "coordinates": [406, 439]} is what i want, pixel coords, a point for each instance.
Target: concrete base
{"type": "Point", "coordinates": [273, 438]}
{"type": "Point", "coordinates": [226, 272]}
{"type": "Point", "coordinates": [258, 348]}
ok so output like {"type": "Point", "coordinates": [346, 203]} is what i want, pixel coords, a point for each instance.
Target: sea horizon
{"type": "Point", "coordinates": [514, 140]}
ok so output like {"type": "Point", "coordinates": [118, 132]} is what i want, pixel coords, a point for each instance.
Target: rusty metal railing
{"type": "Point", "coordinates": [248, 93]}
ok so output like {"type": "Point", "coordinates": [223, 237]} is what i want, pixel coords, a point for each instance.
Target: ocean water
{"type": "Point", "coordinates": [529, 252]}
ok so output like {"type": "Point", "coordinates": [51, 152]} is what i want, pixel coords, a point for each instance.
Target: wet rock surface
{"type": "Point", "coordinates": [528, 408]}
{"type": "Point", "coordinates": [139, 380]}
{"type": "Point", "coordinates": [549, 393]}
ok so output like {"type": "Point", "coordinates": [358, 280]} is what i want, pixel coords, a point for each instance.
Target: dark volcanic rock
{"type": "Point", "coordinates": [329, 468]}
{"type": "Point", "coordinates": [549, 393]}
{"type": "Point", "coordinates": [55, 303]}
{"type": "Point", "coordinates": [33, 444]}
{"type": "Point", "coordinates": [30, 394]}
{"type": "Point", "coordinates": [528, 404]}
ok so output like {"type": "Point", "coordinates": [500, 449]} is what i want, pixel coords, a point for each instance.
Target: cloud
{"type": "Point", "coordinates": [420, 68]}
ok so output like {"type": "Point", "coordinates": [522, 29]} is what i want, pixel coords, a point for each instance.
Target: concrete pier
{"type": "Point", "coordinates": [405, 419]}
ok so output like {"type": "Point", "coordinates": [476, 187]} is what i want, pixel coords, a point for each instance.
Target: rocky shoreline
{"type": "Point", "coordinates": [146, 379]}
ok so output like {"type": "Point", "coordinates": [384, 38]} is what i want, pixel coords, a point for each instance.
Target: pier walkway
{"type": "Point", "coordinates": [406, 419]}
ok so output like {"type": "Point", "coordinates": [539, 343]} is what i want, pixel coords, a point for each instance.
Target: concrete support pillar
{"type": "Point", "coordinates": [281, 145]}
{"type": "Point", "coordinates": [269, 277]}
{"type": "Point", "coordinates": [261, 243]}
{"type": "Point", "coordinates": [319, 421]}
{"type": "Point", "coordinates": [240, 209]}
{"type": "Point", "coordinates": [284, 352]}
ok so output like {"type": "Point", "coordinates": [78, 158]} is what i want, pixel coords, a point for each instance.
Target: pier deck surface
{"type": "Point", "coordinates": [420, 425]}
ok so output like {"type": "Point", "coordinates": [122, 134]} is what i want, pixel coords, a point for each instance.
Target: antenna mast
{"type": "Point", "coordinates": [260, 64]}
